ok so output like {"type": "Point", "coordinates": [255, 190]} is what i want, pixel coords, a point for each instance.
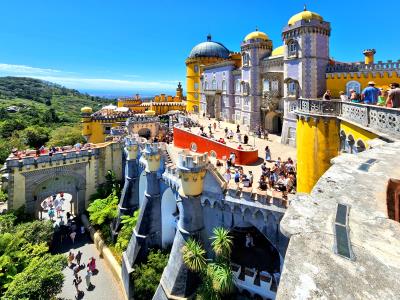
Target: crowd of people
{"type": "Point", "coordinates": [74, 263]}
{"type": "Point", "coordinates": [372, 95]}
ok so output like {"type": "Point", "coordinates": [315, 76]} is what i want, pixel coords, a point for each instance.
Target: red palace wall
{"type": "Point", "coordinates": [184, 139]}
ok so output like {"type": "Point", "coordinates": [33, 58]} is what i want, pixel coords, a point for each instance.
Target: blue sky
{"type": "Point", "coordinates": [129, 45]}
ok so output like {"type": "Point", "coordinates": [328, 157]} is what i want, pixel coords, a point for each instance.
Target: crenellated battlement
{"type": "Point", "coordinates": [132, 144]}
{"type": "Point", "coordinates": [363, 67]}
{"type": "Point", "coordinates": [142, 119]}
{"type": "Point", "coordinates": [189, 163]}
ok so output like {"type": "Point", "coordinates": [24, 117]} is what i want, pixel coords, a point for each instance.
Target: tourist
{"type": "Point", "coordinates": [249, 241]}
{"type": "Point", "coordinates": [245, 139]}
{"type": "Point", "coordinates": [72, 235]}
{"type": "Point", "coordinates": [327, 95]}
{"type": "Point", "coordinates": [370, 94]}
{"type": "Point", "coordinates": [87, 278]}
{"type": "Point", "coordinates": [354, 96]}
{"type": "Point", "coordinates": [71, 257]}
{"type": "Point", "coordinates": [239, 137]}
{"type": "Point", "coordinates": [226, 132]}
{"type": "Point", "coordinates": [209, 128]}
{"type": "Point", "coordinates": [262, 184]}
{"type": "Point", "coordinates": [251, 178]}
{"type": "Point", "coordinates": [78, 257]}
{"type": "Point", "coordinates": [231, 134]}
{"type": "Point", "coordinates": [237, 128]}
{"type": "Point", "coordinates": [51, 213]}
{"type": "Point", "coordinates": [227, 175]}
{"type": "Point", "coordinates": [232, 157]}
{"type": "Point", "coordinates": [92, 264]}
{"type": "Point", "coordinates": [237, 176]}
{"type": "Point", "coordinates": [382, 97]}
{"type": "Point", "coordinates": [240, 147]}
{"type": "Point", "coordinates": [343, 96]}
{"type": "Point", "coordinates": [393, 99]}
{"type": "Point", "coordinates": [215, 126]}
{"type": "Point", "coordinates": [266, 134]}
{"type": "Point", "coordinates": [76, 282]}
{"type": "Point", "coordinates": [267, 154]}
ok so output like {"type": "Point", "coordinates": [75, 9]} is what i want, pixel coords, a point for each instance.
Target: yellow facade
{"type": "Point", "coordinates": [317, 143]}
{"type": "Point", "coordinates": [194, 68]}
{"type": "Point", "coordinates": [337, 82]}
{"type": "Point", "coordinates": [357, 133]}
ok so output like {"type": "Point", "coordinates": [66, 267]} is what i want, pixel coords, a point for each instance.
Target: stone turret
{"type": "Point", "coordinates": [191, 170]}
{"type": "Point", "coordinates": [177, 281]}
{"type": "Point", "coordinates": [132, 147]}
{"type": "Point", "coordinates": [152, 156]}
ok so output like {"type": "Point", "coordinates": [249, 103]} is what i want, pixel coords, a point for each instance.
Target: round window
{"type": "Point", "coordinates": [193, 147]}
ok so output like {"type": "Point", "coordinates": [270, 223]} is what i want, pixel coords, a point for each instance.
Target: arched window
{"type": "Point", "coordinates": [205, 85]}
{"type": "Point", "coordinates": [196, 96]}
{"type": "Point", "coordinates": [353, 85]}
{"type": "Point", "coordinates": [224, 85]}
{"type": "Point", "coordinates": [292, 87]}
{"type": "Point", "coordinates": [196, 68]}
{"type": "Point", "coordinates": [292, 48]}
{"type": "Point", "coordinates": [266, 87]}
{"type": "Point", "coordinates": [360, 146]}
{"type": "Point", "coordinates": [196, 86]}
{"type": "Point", "coordinates": [245, 88]}
{"type": "Point", "coordinates": [245, 59]}
{"type": "Point", "coordinates": [214, 84]}
{"type": "Point", "coordinates": [237, 86]}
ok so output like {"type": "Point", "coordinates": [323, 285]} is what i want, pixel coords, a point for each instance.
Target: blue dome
{"type": "Point", "coordinates": [209, 49]}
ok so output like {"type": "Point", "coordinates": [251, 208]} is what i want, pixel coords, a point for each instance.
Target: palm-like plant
{"type": "Point", "coordinates": [222, 242]}
{"type": "Point", "coordinates": [222, 278]}
{"type": "Point", "coordinates": [194, 256]}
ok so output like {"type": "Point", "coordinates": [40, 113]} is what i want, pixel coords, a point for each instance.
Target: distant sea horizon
{"type": "Point", "coordinates": [112, 94]}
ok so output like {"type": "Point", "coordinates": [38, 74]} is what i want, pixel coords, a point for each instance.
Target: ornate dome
{"type": "Point", "coordinates": [256, 35]}
{"type": "Point", "coordinates": [304, 15]}
{"type": "Point", "coordinates": [278, 51]}
{"type": "Point", "coordinates": [209, 49]}
{"type": "Point", "coordinates": [86, 110]}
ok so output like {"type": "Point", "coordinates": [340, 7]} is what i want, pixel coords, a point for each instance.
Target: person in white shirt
{"type": "Point", "coordinates": [343, 96]}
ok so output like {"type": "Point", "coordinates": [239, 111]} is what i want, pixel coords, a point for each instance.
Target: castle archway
{"type": "Point", "coordinates": [168, 218]}
{"type": "Point", "coordinates": [53, 184]}
{"type": "Point", "coordinates": [144, 132]}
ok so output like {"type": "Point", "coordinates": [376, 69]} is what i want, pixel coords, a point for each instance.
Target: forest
{"type": "Point", "coordinates": [34, 112]}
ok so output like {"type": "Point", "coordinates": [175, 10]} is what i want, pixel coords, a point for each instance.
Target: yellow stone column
{"type": "Point", "coordinates": [318, 142]}
{"type": "Point", "coordinates": [191, 170]}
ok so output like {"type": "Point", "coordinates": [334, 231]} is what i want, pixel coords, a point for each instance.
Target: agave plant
{"type": "Point", "coordinates": [222, 242]}
{"type": "Point", "coordinates": [222, 278]}
{"type": "Point", "coordinates": [194, 256]}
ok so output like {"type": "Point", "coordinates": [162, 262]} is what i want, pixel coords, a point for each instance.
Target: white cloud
{"type": "Point", "coordinates": [81, 82]}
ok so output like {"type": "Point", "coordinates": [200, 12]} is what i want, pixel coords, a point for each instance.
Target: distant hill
{"type": "Point", "coordinates": [33, 112]}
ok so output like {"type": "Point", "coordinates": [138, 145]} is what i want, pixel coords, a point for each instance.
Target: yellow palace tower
{"type": "Point", "coordinates": [203, 54]}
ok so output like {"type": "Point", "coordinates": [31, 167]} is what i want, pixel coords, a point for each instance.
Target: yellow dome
{"type": "Point", "coordinates": [304, 15]}
{"type": "Point", "coordinates": [256, 35]}
{"type": "Point", "coordinates": [278, 51]}
{"type": "Point", "coordinates": [86, 110]}
{"type": "Point", "coordinates": [150, 112]}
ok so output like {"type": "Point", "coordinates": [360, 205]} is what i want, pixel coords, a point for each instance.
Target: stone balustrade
{"type": "Point", "coordinates": [362, 67]}
{"type": "Point", "coordinates": [142, 119]}
{"type": "Point", "coordinates": [382, 121]}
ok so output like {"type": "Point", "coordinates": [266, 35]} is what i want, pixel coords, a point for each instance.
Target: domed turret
{"type": "Point", "coordinates": [209, 49]}
{"type": "Point", "coordinates": [86, 110]}
{"type": "Point", "coordinates": [256, 35]}
{"type": "Point", "coordinates": [278, 51]}
{"type": "Point", "coordinates": [304, 15]}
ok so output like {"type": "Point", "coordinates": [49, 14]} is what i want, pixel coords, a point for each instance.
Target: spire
{"type": "Point", "coordinates": [209, 38]}
{"type": "Point", "coordinates": [305, 7]}
{"type": "Point", "coordinates": [256, 28]}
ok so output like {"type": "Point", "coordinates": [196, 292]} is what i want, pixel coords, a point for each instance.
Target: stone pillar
{"type": "Point", "coordinates": [129, 201]}
{"type": "Point", "coordinates": [147, 233]}
{"type": "Point", "coordinates": [177, 280]}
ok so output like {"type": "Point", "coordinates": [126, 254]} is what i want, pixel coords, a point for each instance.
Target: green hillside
{"type": "Point", "coordinates": [35, 112]}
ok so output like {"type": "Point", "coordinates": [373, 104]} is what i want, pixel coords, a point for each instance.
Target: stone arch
{"type": "Point", "coordinates": [54, 181]}
{"type": "Point", "coordinates": [342, 140]}
{"type": "Point", "coordinates": [273, 122]}
{"type": "Point", "coordinates": [350, 143]}
{"type": "Point", "coordinates": [145, 132]}
{"type": "Point", "coordinates": [168, 217]}
{"type": "Point", "coordinates": [360, 145]}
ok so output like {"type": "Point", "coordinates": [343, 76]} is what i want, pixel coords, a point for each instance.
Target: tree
{"type": "Point", "coordinates": [104, 210]}
{"type": "Point", "coordinates": [8, 127]}
{"type": "Point", "coordinates": [124, 235]}
{"type": "Point", "coordinates": [217, 278]}
{"type": "Point", "coordinates": [50, 116]}
{"type": "Point", "coordinates": [41, 279]}
{"type": "Point", "coordinates": [146, 277]}
{"type": "Point", "coordinates": [35, 136]}
{"type": "Point", "coordinates": [66, 135]}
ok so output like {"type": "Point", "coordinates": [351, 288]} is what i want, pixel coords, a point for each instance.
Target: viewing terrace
{"type": "Point", "coordinates": [382, 121]}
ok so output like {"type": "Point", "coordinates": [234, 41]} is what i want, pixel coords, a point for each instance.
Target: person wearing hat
{"type": "Point", "coordinates": [370, 94]}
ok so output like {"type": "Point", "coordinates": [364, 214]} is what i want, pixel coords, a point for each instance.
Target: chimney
{"type": "Point", "coordinates": [369, 56]}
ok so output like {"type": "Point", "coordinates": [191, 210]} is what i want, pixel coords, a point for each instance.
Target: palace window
{"type": "Point", "coordinates": [196, 96]}
{"type": "Point", "coordinates": [266, 85]}
{"type": "Point", "coordinates": [196, 69]}
{"type": "Point", "coordinates": [245, 59]}
{"type": "Point", "coordinates": [214, 84]}
{"type": "Point", "coordinates": [196, 86]}
{"type": "Point", "coordinates": [292, 48]}
{"type": "Point", "coordinates": [205, 85]}
{"type": "Point", "coordinates": [237, 86]}
{"type": "Point", "coordinates": [292, 88]}
{"type": "Point", "coordinates": [245, 88]}
{"type": "Point", "coordinates": [275, 85]}
{"type": "Point", "coordinates": [353, 85]}
{"type": "Point", "coordinates": [224, 85]}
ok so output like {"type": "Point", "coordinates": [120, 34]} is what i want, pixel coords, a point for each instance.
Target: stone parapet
{"type": "Point", "coordinates": [142, 119]}
{"type": "Point", "coordinates": [362, 67]}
